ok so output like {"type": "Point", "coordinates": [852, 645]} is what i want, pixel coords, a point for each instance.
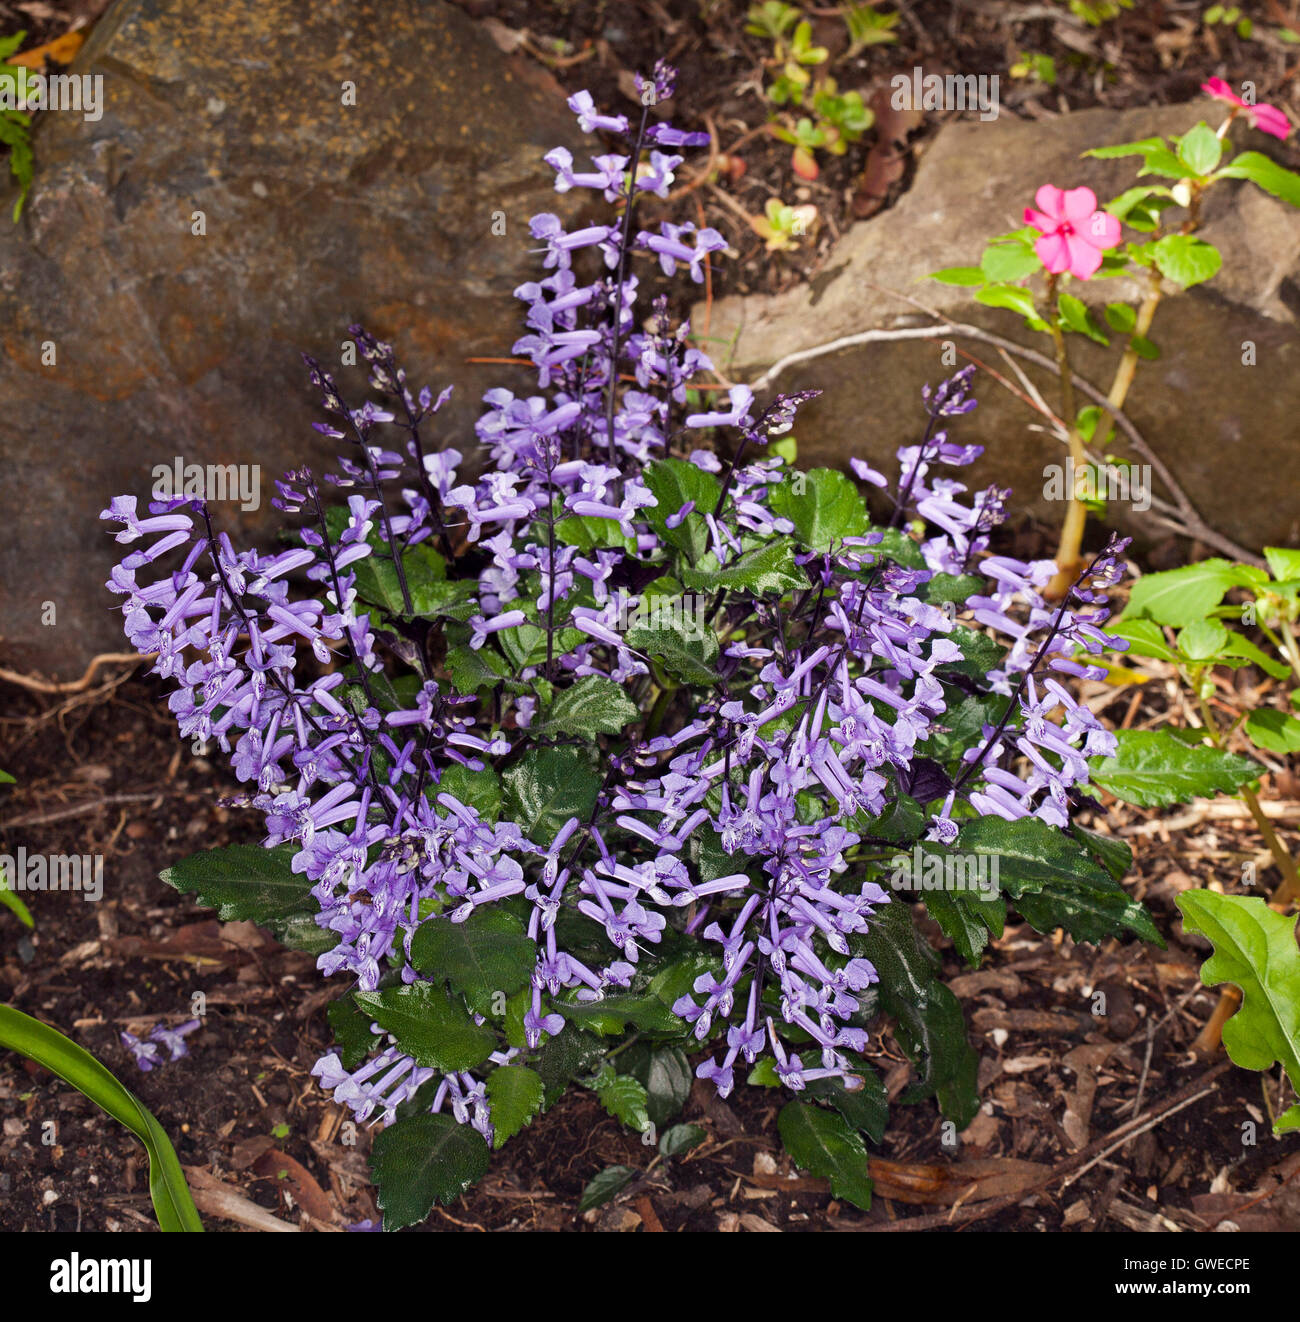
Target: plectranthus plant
{"type": "Point", "coordinates": [607, 747]}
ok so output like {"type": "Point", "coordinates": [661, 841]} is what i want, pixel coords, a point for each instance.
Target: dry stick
{"type": "Point", "coordinates": [39, 685]}
{"type": "Point", "coordinates": [79, 809]}
{"type": "Point", "coordinates": [1073, 1167]}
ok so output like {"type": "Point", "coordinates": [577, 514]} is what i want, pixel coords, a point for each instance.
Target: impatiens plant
{"type": "Point", "coordinates": [1066, 238]}
{"type": "Point", "coordinates": [1183, 616]}
{"type": "Point", "coordinates": [624, 741]}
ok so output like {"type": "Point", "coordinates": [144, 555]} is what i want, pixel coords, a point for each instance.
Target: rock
{"type": "Point", "coordinates": [317, 214]}
{"type": "Point", "coordinates": [1228, 431]}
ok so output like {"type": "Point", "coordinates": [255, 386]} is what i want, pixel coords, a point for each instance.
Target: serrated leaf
{"type": "Point", "coordinates": [428, 1026]}
{"type": "Point", "coordinates": [480, 790]}
{"type": "Point", "coordinates": [1151, 768]}
{"type": "Point", "coordinates": [594, 705]}
{"type": "Point", "coordinates": [421, 1160]}
{"type": "Point", "coordinates": [1255, 950]}
{"type": "Point", "coordinates": [488, 953]}
{"type": "Point", "coordinates": [474, 669]}
{"type": "Point", "coordinates": [821, 1142]}
{"type": "Point", "coordinates": [674, 483]}
{"type": "Point", "coordinates": [825, 507]}
{"type": "Point", "coordinates": [685, 652]}
{"type": "Point", "coordinates": [767, 569]}
{"type": "Point", "coordinates": [667, 1082]}
{"type": "Point", "coordinates": [245, 882]}
{"type": "Point", "coordinates": [611, 1014]}
{"type": "Point", "coordinates": [515, 1096]}
{"type": "Point", "coordinates": [546, 787]}
{"type": "Point", "coordinates": [623, 1097]}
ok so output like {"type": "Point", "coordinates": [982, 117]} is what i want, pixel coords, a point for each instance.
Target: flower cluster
{"type": "Point", "coordinates": [455, 725]}
{"type": "Point", "coordinates": [149, 1052]}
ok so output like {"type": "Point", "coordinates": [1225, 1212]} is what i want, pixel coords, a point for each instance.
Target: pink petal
{"type": "Point", "coordinates": [1053, 253]}
{"type": "Point", "coordinates": [1077, 205]}
{"type": "Point", "coordinates": [1084, 259]}
{"type": "Point", "coordinates": [1269, 119]}
{"type": "Point", "coordinates": [1220, 90]}
{"type": "Point", "coordinates": [1102, 230]}
{"type": "Point", "coordinates": [1049, 199]}
{"type": "Point", "coordinates": [1045, 224]}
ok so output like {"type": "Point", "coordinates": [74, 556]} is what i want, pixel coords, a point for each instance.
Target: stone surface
{"type": "Point", "coordinates": [317, 214]}
{"type": "Point", "coordinates": [1230, 432]}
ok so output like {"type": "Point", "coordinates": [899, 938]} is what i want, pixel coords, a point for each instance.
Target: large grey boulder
{"type": "Point", "coordinates": [317, 213]}
{"type": "Point", "coordinates": [1230, 432]}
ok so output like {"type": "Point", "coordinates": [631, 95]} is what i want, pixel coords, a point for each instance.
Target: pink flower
{"type": "Point", "coordinates": [1074, 232]}
{"type": "Point", "coordinates": [1265, 118]}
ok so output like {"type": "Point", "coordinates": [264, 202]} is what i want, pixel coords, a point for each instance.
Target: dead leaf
{"type": "Point", "coordinates": [887, 159]}
{"type": "Point", "coordinates": [59, 51]}
{"type": "Point", "coordinates": [284, 1169]}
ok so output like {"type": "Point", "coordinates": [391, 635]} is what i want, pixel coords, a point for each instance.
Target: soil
{"type": "Point", "coordinates": [101, 771]}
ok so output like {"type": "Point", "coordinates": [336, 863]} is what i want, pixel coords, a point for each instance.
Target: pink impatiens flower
{"type": "Point", "coordinates": [1074, 232]}
{"type": "Point", "coordinates": [1265, 118]}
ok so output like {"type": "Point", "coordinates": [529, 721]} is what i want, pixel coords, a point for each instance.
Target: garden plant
{"type": "Point", "coordinates": [617, 750]}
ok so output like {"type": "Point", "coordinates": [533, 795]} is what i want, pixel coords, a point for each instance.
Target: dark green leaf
{"type": "Point", "coordinates": [428, 1026]}
{"type": "Point", "coordinates": [821, 1142]}
{"type": "Point", "coordinates": [488, 953]}
{"type": "Point", "coordinates": [593, 705]}
{"type": "Point", "coordinates": [515, 1093]}
{"type": "Point", "coordinates": [546, 787]}
{"type": "Point", "coordinates": [424, 1159]}
{"type": "Point", "coordinates": [608, 1184]}
{"type": "Point", "coordinates": [245, 882]}
{"type": "Point", "coordinates": [1153, 769]}
{"type": "Point", "coordinates": [824, 506]}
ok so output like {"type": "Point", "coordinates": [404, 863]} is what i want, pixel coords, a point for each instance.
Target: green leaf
{"type": "Point", "coordinates": [1274, 731]}
{"type": "Point", "coordinates": [1270, 176]}
{"type": "Point", "coordinates": [611, 1014]}
{"type": "Point", "coordinates": [623, 1097]}
{"type": "Point", "coordinates": [1074, 317]}
{"type": "Point", "coordinates": [172, 1203]}
{"type": "Point", "coordinates": [821, 1142]}
{"type": "Point", "coordinates": [680, 1139]}
{"type": "Point", "coordinates": [593, 705]}
{"type": "Point", "coordinates": [587, 533]}
{"type": "Point", "coordinates": [959, 275]}
{"type": "Point", "coordinates": [1255, 949]}
{"type": "Point", "coordinates": [428, 1026]}
{"type": "Point", "coordinates": [1283, 562]}
{"type": "Point", "coordinates": [1112, 852]}
{"type": "Point", "coordinates": [866, 1108]}
{"type": "Point", "coordinates": [667, 1080]}
{"type": "Point", "coordinates": [1144, 637]}
{"type": "Point", "coordinates": [1199, 149]}
{"type": "Point", "coordinates": [425, 570]}
{"type": "Point", "coordinates": [1010, 296]}
{"type": "Point", "coordinates": [1008, 262]}
{"type": "Point", "coordinates": [767, 569]}
{"type": "Point", "coordinates": [1181, 596]}
{"type": "Point", "coordinates": [828, 509]}
{"type": "Point", "coordinates": [488, 953]}
{"type": "Point", "coordinates": [685, 652]}
{"type": "Point", "coordinates": [1186, 260]}
{"type": "Point", "coordinates": [472, 669]}
{"type": "Point", "coordinates": [10, 900]}
{"type": "Point", "coordinates": [960, 920]}
{"type": "Point", "coordinates": [569, 1053]}
{"type": "Point", "coordinates": [929, 1016]}
{"type": "Point", "coordinates": [245, 882]}
{"type": "Point", "coordinates": [1090, 908]}
{"type": "Point", "coordinates": [1152, 768]}
{"type": "Point", "coordinates": [352, 1033]}
{"type": "Point", "coordinates": [1238, 645]}
{"type": "Point", "coordinates": [1202, 640]}
{"type": "Point", "coordinates": [673, 483]}
{"type": "Point", "coordinates": [515, 1095]}
{"type": "Point", "coordinates": [608, 1184]}
{"type": "Point", "coordinates": [424, 1159]}
{"type": "Point", "coordinates": [1156, 157]}
{"type": "Point", "coordinates": [546, 787]}
{"type": "Point", "coordinates": [1030, 855]}
{"type": "Point", "coordinates": [1120, 317]}
{"type": "Point", "coordinates": [480, 790]}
